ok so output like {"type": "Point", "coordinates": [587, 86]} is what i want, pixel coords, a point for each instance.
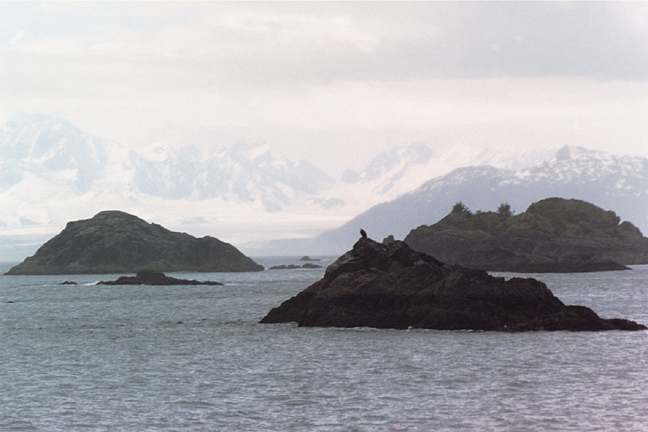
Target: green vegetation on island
{"type": "Point", "coordinates": [553, 235]}
{"type": "Point", "coordinates": [118, 242]}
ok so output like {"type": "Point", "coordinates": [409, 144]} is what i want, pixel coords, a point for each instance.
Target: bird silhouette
{"type": "Point", "coordinates": [363, 233]}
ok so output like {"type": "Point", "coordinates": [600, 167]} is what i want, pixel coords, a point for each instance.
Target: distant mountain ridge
{"type": "Point", "coordinates": [58, 152]}
{"type": "Point", "coordinates": [61, 156]}
{"type": "Point", "coordinates": [42, 157]}
{"type": "Point", "coordinates": [51, 148]}
{"type": "Point", "coordinates": [51, 172]}
{"type": "Point", "coordinates": [618, 183]}
{"type": "Point", "coordinates": [244, 172]}
{"type": "Point", "coordinates": [390, 166]}
{"type": "Point", "coordinates": [399, 170]}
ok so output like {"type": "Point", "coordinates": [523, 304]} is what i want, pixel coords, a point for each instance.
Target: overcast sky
{"type": "Point", "coordinates": [334, 82]}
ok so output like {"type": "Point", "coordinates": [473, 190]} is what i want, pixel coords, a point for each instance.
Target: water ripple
{"type": "Point", "coordinates": [99, 358]}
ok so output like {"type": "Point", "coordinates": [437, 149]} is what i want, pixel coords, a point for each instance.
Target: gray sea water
{"type": "Point", "coordinates": [135, 358]}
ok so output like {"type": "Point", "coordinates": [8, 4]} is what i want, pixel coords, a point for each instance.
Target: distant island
{"type": "Point", "coordinates": [307, 258]}
{"type": "Point", "coordinates": [554, 235]}
{"type": "Point", "coordinates": [151, 277]}
{"type": "Point", "coordinates": [118, 242]}
{"type": "Point", "coordinates": [392, 286]}
{"type": "Point", "coordinates": [294, 266]}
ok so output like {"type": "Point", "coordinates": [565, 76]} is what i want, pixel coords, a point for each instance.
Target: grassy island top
{"type": "Point", "coordinates": [549, 217]}
{"type": "Point", "coordinates": [552, 235]}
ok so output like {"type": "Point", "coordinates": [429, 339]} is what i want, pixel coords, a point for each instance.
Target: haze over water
{"type": "Point", "coordinates": [95, 358]}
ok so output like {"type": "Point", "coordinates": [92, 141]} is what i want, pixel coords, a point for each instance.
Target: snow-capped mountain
{"type": "Point", "coordinates": [243, 173]}
{"type": "Point", "coordinates": [401, 169]}
{"type": "Point", "coordinates": [618, 183]}
{"type": "Point", "coordinates": [42, 156]}
{"type": "Point", "coordinates": [51, 172]}
{"type": "Point", "coordinates": [58, 152]}
{"type": "Point", "coordinates": [389, 167]}
{"type": "Point", "coordinates": [52, 149]}
{"type": "Point", "coordinates": [581, 169]}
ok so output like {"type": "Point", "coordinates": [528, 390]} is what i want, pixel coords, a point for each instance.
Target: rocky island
{"type": "Point", "coordinates": [151, 277]}
{"type": "Point", "coordinates": [295, 266]}
{"type": "Point", "coordinates": [392, 286]}
{"type": "Point", "coordinates": [554, 235]}
{"type": "Point", "coordinates": [118, 242]}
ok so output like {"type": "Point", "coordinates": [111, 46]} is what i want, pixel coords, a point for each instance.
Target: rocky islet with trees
{"type": "Point", "coordinates": [554, 235]}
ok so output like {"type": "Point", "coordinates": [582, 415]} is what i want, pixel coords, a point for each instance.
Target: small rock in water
{"type": "Point", "coordinates": [151, 277]}
{"type": "Point", "coordinates": [294, 266]}
{"type": "Point", "coordinates": [307, 258]}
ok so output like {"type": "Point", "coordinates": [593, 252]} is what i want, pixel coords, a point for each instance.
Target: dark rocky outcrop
{"type": "Point", "coordinates": [554, 235]}
{"type": "Point", "coordinates": [284, 267]}
{"type": "Point", "coordinates": [151, 277]}
{"type": "Point", "coordinates": [117, 242]}
{"type": "Point", "coordinates": [294, 266]}
{"type": "Point", "coordinates": [392, 286]}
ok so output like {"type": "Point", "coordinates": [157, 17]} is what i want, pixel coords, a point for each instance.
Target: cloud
{"type": "Point", "coordinates": [263, 44]}
{"type": "Point", "coordinates": [429, 40]}
{"type": "Point", "coordinates": [296, 71]}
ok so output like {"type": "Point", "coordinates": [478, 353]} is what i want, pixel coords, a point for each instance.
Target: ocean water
{"type": "Point", "coordinates": [88, 357]}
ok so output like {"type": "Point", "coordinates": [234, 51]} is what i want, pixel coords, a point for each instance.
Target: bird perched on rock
{"type": "Point", "coordinates": [363, 233]}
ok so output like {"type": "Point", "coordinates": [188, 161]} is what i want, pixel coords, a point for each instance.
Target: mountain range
{"type": "Point", "coordinates": [612, 182]}
{"type": "Point", "coordinates": [51, 172]}
{"type": "Point", "coordinates": [245, 193]}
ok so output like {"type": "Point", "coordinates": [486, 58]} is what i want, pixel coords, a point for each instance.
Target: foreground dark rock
{"type": "Point", "coordinates": [151, 277]}
{"type": "Point", "coordinates": [554, 235]}
{"type": "Point", "coordinates": [392, 286]}
{"type": "Point", "coordinates": [117, 242]}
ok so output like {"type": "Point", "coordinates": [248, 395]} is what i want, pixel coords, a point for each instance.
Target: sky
{"type": "Point", "coordinates": [334, 82]}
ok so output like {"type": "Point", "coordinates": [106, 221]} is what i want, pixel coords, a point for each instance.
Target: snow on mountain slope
{"type": "Point", "coordinates": [618, 183]}
{"type": "Point", "coordinates": [615, 173]}
{"type": "Point", "coordinates": [51, 173]}
{"type": "Point", "coordinates": [247, 174]}
{"type": "Point", "coordinates": [50, 148]}
{"type": "Point", "coordinates": [404, 168]}
{"type": "Point", "coordinates": [244, 173]}
{"type": "Point", "coordinates": [389, 166]}
{"type": "Point", "coordinates": [162, 171]}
